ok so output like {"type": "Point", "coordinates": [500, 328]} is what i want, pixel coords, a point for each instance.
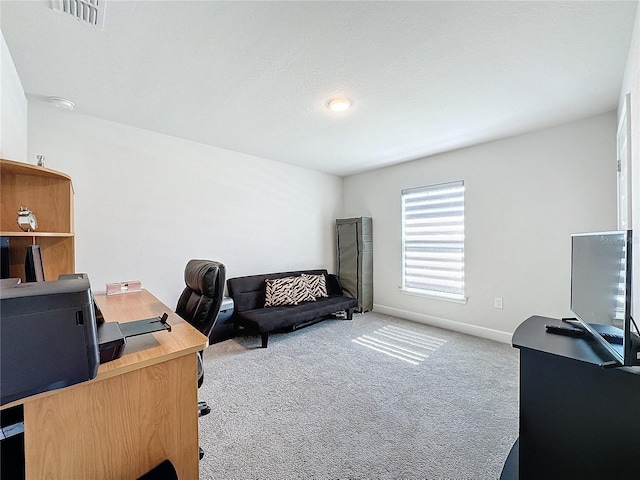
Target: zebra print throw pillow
{"type": "Point", "coordinates": [317, 284]}
{"type": "Point", "coordinates": [278, 292]}
{"type": "Point", "coordinates": [301, 290]}
{"type": "Point", "coordinates": [286, 291]}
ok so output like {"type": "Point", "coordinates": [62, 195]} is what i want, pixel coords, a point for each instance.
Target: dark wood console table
{"type": "Point", "coordinates": [578, 418]}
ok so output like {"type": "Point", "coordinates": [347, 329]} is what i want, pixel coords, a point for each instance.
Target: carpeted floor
{"type": "Point", "coordinates": [372, 398]}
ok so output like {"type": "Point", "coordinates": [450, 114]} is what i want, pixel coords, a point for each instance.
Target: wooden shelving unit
{"type": "Point", "coordinates": [49, 195]}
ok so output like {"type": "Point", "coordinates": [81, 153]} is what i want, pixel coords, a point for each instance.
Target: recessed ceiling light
{"type": "Point", "coordinates": [62, 103]}
{"type": "Point", "coordinates": [339, 104]}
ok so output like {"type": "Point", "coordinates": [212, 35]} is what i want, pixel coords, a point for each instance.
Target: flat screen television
{"type": "Point", "coordinates": [601, 292]}
{"type": "Point", "coordinates": [33, 267]}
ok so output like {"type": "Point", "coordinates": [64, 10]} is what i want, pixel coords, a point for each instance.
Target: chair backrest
{"type": "Point", "coordinates": [201, 299]}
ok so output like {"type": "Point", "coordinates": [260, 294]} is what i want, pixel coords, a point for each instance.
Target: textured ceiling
{"type": "Point", "coordinates": [254, 77]}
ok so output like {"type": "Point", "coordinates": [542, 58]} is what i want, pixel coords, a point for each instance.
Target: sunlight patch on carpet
{"type": "Point", "coordinates": [401, 343]}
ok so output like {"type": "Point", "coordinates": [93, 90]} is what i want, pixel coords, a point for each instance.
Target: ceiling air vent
{"type": "Point", "coordinates": [90, 12]}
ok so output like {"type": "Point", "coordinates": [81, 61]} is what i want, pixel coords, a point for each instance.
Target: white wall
{"type": "Point", "coordinates": [13, 109]}
{"type": "Point", "coordinates": [524, 196]}
{"type": "Point", "coordinates": [146, 203]}
{"type": "Point", "coordinates": [631, 85]}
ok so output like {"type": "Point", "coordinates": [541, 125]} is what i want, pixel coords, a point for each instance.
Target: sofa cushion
{"type": "Point", "coordinates": [278, 291]}
{"type": "Point", "coordinates": [317, 284]}
{"type": "Point", "coordinates": [283, 316]}
{"type": "Point", "coordinates": [302, 291]}
{"type": "Point", "coordinates": [287, 291]}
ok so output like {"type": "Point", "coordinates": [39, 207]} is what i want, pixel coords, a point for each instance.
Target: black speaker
{"type": "Point", "coordinates": [12, 443]}
{"type": "Point", "coordinates": [4, 258]}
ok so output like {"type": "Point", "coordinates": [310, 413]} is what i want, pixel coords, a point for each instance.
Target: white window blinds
{"type": "Point", "coordinates": [433, 240]}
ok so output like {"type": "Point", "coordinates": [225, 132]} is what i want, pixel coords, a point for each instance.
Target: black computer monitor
{"type": "Point", "coordinates": [33, 268]}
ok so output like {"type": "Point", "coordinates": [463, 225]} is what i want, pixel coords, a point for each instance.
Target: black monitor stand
{"type": "Point", "coordinates": [578, 419]}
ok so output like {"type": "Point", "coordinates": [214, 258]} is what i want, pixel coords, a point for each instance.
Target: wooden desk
{"type": "Point", "coordinates": [139, 410]}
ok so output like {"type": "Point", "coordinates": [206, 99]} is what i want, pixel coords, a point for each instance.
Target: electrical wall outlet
{"type": "Point", "coordinates": [497, 302]}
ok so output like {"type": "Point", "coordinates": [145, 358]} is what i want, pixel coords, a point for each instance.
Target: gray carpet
{"type": "Point", "coordinates": [372, 398]}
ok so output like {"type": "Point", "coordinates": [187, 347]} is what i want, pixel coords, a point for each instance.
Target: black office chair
{"type": "Point", "coordinates": [164, 471]}
{"type": "Point", "coordinates": [200, 304]}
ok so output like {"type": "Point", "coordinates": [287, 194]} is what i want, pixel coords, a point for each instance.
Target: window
{"type": "Point", "coordinates": [433, 240]}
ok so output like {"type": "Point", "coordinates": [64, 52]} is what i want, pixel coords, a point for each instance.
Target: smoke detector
{"type": "Point", "coordinates": [61, 102]}
{"type": "Point", "coordinates": [89, 12]}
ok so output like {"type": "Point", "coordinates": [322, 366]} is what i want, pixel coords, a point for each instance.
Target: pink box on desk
{"type": "Point", "coordinates": [124, 287]}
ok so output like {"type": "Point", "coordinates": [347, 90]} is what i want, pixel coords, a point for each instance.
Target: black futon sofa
{"type": "Point", "coordinates": [249, 293]}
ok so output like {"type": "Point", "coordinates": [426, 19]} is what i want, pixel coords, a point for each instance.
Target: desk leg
{"type": "Point", "coordinates": [118, 427]}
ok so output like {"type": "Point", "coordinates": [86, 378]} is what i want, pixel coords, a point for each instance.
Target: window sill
{"type": "Point", "coordinates": [447, 297]}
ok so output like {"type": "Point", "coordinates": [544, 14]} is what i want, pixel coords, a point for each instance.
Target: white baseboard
{"type": "Point", "coordinates": [475, 330]}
